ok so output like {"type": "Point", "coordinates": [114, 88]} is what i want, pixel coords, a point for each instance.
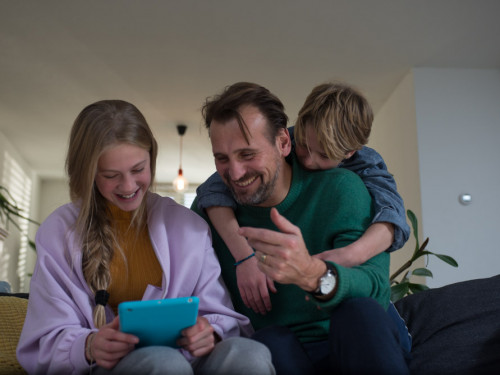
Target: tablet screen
{"type": "Point", "coordinates": [158, 322]}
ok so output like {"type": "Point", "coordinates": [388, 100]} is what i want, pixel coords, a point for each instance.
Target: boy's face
{"type": "Point", "coordinates": [311, 155]}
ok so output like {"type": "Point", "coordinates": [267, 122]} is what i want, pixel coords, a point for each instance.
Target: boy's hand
{"type": "Point", "coordinates": [199, 340]}
{"type": "Point", "coordinates": [253, 286]}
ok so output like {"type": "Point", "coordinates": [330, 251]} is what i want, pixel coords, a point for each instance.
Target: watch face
{"type": "Point", "coordinates": [327, 283]}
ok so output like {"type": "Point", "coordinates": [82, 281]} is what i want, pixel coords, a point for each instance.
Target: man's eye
{"type": "Point", "coordinates": [248, 155]}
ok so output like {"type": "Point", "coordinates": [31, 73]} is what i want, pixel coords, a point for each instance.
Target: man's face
{"type": "Point", "coordinates": [251, 171]}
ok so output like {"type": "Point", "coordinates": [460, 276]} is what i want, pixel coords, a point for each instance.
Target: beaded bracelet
{"type": "Point", "coordinates": [88, 348]}
{"type": "Point", "coordinates": [241, 261]}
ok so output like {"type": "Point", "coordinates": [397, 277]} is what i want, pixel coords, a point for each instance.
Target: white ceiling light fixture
{"type": "Point", "coordinates": [180, 183]}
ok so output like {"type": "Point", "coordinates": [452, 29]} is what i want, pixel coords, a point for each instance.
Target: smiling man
{"type": "Point", "coordinates": [324, 317]}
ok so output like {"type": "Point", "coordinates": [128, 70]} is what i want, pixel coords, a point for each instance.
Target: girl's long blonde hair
{"type": "Point", "coordinates": [99, 126]}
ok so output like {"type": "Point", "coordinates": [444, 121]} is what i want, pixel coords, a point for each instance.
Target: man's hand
{"type": "Point", "coordinates": [283, 255]}
{"type": "Point", "coordinates": [199, 339]}
{"type": "Point", "coordinates": [109, 345]}
{"type": "Point", "coordinates": [253, 285]}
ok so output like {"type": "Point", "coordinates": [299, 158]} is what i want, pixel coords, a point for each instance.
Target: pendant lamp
{"type": "Point", "coordinates": [180, 183]}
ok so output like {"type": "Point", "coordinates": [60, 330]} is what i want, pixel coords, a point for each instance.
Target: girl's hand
{"type": "Point", "coordinates": [109, 345]}
{"type": "Point", "coordinates": [199, 339]}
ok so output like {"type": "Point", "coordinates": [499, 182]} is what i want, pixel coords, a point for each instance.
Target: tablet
{"type": "Point", "coordinates": [158, 322]}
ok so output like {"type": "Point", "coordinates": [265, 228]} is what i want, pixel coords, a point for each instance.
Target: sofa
{"type": "Point", "coordinates": [12, 313]}
{"type": "Point", "coordinates": [455, 329]}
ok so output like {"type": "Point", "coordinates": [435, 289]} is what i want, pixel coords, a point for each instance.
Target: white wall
{"type": "Point", "coordinates": [53, 193]}
{"type": "Point", "coordinates": [394, 136]}
{"type": "Point", "coordinates": [458, 122]}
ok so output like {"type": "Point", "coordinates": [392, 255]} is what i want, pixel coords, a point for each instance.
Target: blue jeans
{"type": "Point", "coordinates": [235, 355]}
{"type": "Point", "coordinates": [363, 339]}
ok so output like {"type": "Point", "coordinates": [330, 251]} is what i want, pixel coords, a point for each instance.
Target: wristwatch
{"type": "Point", "coordinates": [327, 283]}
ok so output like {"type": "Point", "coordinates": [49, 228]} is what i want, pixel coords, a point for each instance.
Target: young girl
{"type": "Point", "coordinates": [117, 242]}
{"type": "Point", "coordinates": [331, 130]}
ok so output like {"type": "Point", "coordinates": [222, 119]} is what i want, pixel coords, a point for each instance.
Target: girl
{"type": "Point", "coordinates": [116, 242]}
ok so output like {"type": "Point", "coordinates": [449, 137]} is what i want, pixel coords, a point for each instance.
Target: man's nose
{"type": "Point", "coordinates": [236, 170]}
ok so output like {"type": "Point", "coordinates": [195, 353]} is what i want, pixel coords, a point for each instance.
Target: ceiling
{"type": "Point", "coordinates": [167, 57]}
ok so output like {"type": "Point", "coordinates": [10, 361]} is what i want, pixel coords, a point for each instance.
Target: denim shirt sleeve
{"type": "Point", "coordinates": [214, 192]}
{"type": "Point", "coordinates": [387, 203]}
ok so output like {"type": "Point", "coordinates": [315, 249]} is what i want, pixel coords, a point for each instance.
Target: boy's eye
{"type": "Point", "coordinates": [324, 156]}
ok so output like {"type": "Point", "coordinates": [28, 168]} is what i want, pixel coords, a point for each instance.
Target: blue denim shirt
{"type": "Point", "coordinates": [367, 164]}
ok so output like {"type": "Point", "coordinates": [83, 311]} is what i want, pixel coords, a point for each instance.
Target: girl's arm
{"type": "Point", "coordinates": [214, 196]}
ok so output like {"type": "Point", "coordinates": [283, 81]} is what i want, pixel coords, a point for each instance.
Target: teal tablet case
{"type": "Point", "coordinates": [158, 322]}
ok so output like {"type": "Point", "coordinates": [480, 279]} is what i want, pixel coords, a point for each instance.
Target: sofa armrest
{"type": "Point", "coordinates": [455, 328]}
{"type": "Point", "coordinates": [12, 315]}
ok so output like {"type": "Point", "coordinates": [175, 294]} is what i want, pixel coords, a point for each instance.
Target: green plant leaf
{"type": "Point", "coordinates": [415, 288]}
{"type": "Point", "coordinates": [422, 272]}
{"type": "Point", "coordinates": [414, 223]}
{"type": "Point", "coordinates": [447, 259]}
{"type": "Point", "coordinates": [32, 244]}
{"type": "Point", "coordinates": [398, 291]}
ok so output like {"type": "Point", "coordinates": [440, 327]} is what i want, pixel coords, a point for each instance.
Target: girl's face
{"type": "Point", "coordinates": [313, 157]}
{"type": "Point", "coordinates": [124, 175]}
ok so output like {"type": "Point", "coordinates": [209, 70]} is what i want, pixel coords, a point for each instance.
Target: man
{"type": "Point", "coordinates": [324, 317]}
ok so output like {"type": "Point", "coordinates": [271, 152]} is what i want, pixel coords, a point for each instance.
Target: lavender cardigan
{"type": "Point", "coordinates": [59, 315]}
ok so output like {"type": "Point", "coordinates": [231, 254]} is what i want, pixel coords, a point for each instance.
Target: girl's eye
{"type": "Point", "coordinates": [138, 170]}
{"type": "Point", "coordinates": [109, 177]}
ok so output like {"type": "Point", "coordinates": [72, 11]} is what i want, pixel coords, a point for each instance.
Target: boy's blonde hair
{"type": "Point", "coordinates": [341, 117]}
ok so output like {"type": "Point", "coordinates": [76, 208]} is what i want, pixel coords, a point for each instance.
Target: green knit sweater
{"type": "Point", "coordinates": [332, 208]}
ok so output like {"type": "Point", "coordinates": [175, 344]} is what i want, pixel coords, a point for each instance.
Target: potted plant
{"type": "Point", "coordinates": [403, 287]}
{"type": "Point", "coordinates": [9, 210]}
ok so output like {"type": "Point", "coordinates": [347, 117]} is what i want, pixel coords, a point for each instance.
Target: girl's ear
{"type": "Point", "coordinates": [283, 142]}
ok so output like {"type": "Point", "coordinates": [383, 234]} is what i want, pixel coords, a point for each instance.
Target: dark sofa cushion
{"type": "Point", "coordinates": [455, 328]}
{"type": "Point", "coordinates": [18, 295]}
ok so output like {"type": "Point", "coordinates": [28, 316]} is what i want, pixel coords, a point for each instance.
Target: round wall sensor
{"type": "Point", "coordinates": [465, 199]}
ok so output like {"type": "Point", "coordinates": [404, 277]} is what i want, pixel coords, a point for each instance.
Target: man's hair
{"type": "Point", "coordinates": [226, 106]}
{"type": "Point", "coordinates": [341, 117]}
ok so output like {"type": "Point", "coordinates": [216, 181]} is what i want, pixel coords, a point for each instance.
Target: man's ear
{"type": "Point", "coordinates": [284, 142]}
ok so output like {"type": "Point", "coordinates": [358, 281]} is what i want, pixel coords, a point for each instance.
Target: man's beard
{"type": "Point", "coordinates": [263, 193]}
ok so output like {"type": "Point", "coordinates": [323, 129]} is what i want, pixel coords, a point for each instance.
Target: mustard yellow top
{"type": "Point", "coordinates": [129, 279]}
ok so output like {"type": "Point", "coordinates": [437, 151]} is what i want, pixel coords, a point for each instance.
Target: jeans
{"type": "Point", "coordinates": [236, 355]}
{"type": "Point", "coordinates": [363, 339]}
